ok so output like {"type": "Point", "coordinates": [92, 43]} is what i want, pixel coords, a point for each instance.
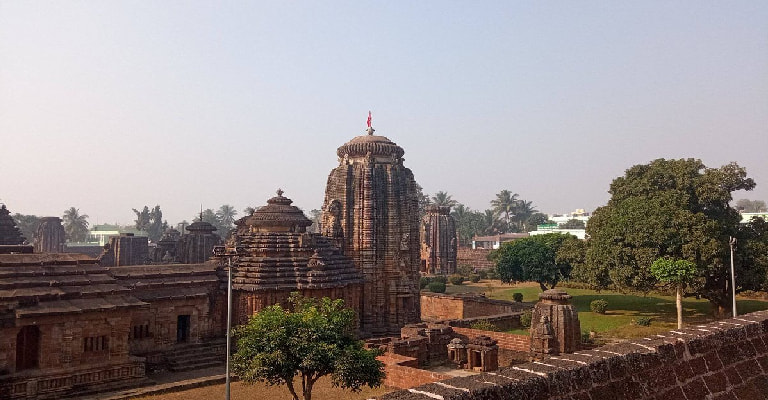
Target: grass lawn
{"type": "Point", "coordinates": [617, 322]}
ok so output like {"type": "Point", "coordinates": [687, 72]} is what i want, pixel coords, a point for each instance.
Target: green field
{"type": "Point", "coordinates": [623, 309]}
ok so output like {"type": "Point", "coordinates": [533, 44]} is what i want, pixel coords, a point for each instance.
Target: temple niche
{"type": "Point", "coordinates": [50, 236]}
{"type": "Point", "coordinates": [438, 241]}
{"type": "Point", "coordinates": [281, 258]}
{"type": "Point", "coordinates": [371, 211]}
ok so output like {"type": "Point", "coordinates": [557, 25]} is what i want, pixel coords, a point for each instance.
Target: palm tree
{"type": "Point", "coordinates": [443, 199]}
{"type": "Point", "coordinates": [249, 210]}
{"type": "Point", "coordinates": [523, 212]}
{"type": "Point", "coordinates": [75, 225]}
{"type": "Point", "coordinates": [505, 204]}
{"type": "Point", "coordinates": [490, 223]}
{"type": "Point", "coordinates": [226, 216]}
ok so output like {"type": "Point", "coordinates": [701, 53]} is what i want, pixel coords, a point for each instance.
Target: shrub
{"type": "Point", "coordinates": [439, 278]}
{"type": "Point", "coordinates": [483, 274]}
{"type": "Point", "coordinates": [456, 279]}
{"type": "Point", "coordinates": [525, 319]}
{"type": "Point", "coordinates": [518, 297]}
{"type": "Point", "coordinates": [492, 274]}
{"type": "Point", "coordinates": [464, 270]}
{"type": "Point", "coordinates": [598, 306]}
{"type": "Point", "coordinates": [586, 338]}
{"type": "Point", "coordinates": [423, 282]}
{"type": "Point", "coordinates": [436, 287]}
{"type": "Point", "coordinates": [643, 321]}
{"type": "Point", "coordinates": [474, 278]}
{"type": "Point", "coordinates": [484, 325]}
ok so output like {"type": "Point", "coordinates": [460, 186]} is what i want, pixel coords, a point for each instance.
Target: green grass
{"type": "Point", "coordinates": [617, 322]}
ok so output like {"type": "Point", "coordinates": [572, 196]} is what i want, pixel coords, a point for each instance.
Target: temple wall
{"type": "Point", "coordinates": [403, 372]}
{"type": "Point", "coordinates": [162, 320]}
{"type": "Point", "coordinates": [438, 307]}
{"type": "Point", "coordinates": [477, 258]}
{"type": "Point", "coordinates": [726, 359]}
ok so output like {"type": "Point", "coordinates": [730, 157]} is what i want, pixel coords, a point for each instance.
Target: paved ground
{"type": "Point", "coordinates": [164, 382]}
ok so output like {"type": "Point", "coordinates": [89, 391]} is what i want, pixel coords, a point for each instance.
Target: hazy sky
{"type": "Point", "coordinates": [108, 105]}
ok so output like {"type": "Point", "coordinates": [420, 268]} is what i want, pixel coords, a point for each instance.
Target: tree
{"type": "Point", "coordinates": [678, 273]}
{"type": "Point", "coordinates": [314, 216]}
{"type": "Point", "coordinates": [27, 224]}
{"type": "Point", "coordinates": [75, 225]}
{"type": "Point", "coordinates": [226, 217]}
{"type": "Point", "coordinates": [667, 208]}
{"type": "Point", "coordinates": [249, 211]}
{"type": "Point", "coordinates": [534, 259]}
{"type": "Point", "coordinates": [523, 212]}
{"type": "Point", "coordinates": [751, 206]}
{"type": "Point", "coordinates": [314, 340]}
{"type": "Point", "coordinates": [143, 219]}
{"type": "Point", "coordinates": [574, 224]}
{"type": "Point", "coordinates": [505, 204]}
{"type": "Point", "coordinates": [423, 201]}
{"type": "Point", "coordinates": [469, 223]}
{"type": "Point", "coordinates": [443, 199]}
{"type": "Point", "coordinates": [151, 221]}
{"type": "Point", "coordinates": [537, 219]}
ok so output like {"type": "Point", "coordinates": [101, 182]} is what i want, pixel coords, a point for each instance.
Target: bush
{"type": "Point", "coordinates": [456, 279]}
{"type": "Point", "coordinates": [643, 321]}
{"type": "Point", "coordinates": [439, 278]}
{"type": "Point", "coordinates": [598, 306]}
{"type": "Point", "coordinates": [483, 274]}
{"type": "Point", "coordinates": [518, 297]}
{"type": "Point", "coordinates": [436, 287]}
{"type": "Point", "coordinates": [492, 274]}
{"type": "Point", "coordinates": [423, 282]}
{"type": "Point", "coordinates": [484, 325]}
{"type": "Point", "coordinates": [474, 278]}
{"type": "Point", "coordinates": [525, 319]}
{"type": "Point", "coordinates": [464, 270]}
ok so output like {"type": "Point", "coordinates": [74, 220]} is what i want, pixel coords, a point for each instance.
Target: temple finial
{"type": "Point", "coordinates": [280, 192]}
{"type": "Point", "coordinates": [370, 129]}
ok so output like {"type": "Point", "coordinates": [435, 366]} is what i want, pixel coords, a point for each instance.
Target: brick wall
{"type": "Point", "coordinates": [477, 258]}
{"type": "Point", "coordinates": [722, 360]}
{"type": "Point", "coordinates": [403, 372]}
{"type": "Point", "coordinates": [440, 307]}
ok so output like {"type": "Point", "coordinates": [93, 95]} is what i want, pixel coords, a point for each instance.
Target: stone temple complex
{"type": "Point", "coordinates": [10, 235]}
{"type": "Point", "coordinates": [438, 244]}
{"type": "Point", "coordinates": [371, 211]}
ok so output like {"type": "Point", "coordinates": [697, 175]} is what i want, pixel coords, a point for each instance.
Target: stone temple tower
{"type": "Point", "coordinates": [438, 245]}
{"type": "Point", "coordinates": [371, 210]}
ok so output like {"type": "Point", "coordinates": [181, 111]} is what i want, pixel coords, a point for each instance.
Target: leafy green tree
{"type": "Point", "coordinates": [489, 224]}
{"type": "Point", "coordinates": [573, 224]}
{"type": "Point", "coordinates": [151, 221]}
{"type": "Point", "coordinates": [667, 208]}
{"type": "Point", "coordinates": [225, 216]}
{"type": "Point", "coordinates": [143, 219]}
{"type": "Point", "coordinates": [535, 220]}
{"type": "Point", "coordinates": [313, 341]}
{"type": "Point", "coordinates": [75, 225]}
{"type": "Point", "coordinates": [424, 201]}
{"type": "Point", "coordinates": [679, 274]}
{"type": "Point", "coordinates": [505, 205]}
{"type": "Point", "coordinates": [27, 224]}
{"type": "Point", "coordinates": [249, 210]}
{"type": "Point", "coordinates": [523, 212]}
{"type": "Point", "coordinates": [443, 199]}
{"type": "Point", "coordinates": [534, 258]}
{"type": "Point", "coordinates": [751, 206]}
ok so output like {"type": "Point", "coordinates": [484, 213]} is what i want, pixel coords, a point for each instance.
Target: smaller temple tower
{"type": "Point", "coordinates": [197, 246]}
{"type": "Point", "coordinates": [438, 241]}
{"type": "Point", "coordinates": [10, 235]}
{"type": "Point", "coordinates": [555, 327]}
{"type": "Point", "coordinates": [50, 236]}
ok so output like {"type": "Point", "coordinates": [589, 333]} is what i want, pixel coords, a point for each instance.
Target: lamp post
{"type": "Point", "coordinates": [732, 243]}
{"type": "Point", "coordinates": [229, 252]}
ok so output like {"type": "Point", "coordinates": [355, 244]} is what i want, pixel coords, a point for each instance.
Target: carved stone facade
{"type": "Point", "coordinates": [50, 236]}
{"type": "Point", "coordinates": [371, 211]}
{"type": "Point", "coordinates": [555, 327]}
{"type": "Point", "coordinates": [125, 249]}
{"type": "Point", "coordinates": [10, 235]}
{"type": "Point", "coordinates": [281, 257]}
{"type": "Point", "coordinates": [438, 241]}
{"type": "Point", "coordinates": [197, 246]}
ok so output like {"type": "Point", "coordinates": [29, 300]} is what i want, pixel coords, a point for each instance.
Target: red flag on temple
{"type": "Point", "coordinates": [369, 119]}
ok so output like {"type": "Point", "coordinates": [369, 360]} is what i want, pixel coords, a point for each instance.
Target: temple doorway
{"type": "Point", "coordinates": [27, 347]}
{"type": "Point", "coordinates": [182, 328]}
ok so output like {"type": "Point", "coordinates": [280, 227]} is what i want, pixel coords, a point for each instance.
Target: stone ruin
{"type": "Point", "coordinates": [50, 236]}
{"type": "Point", "coordinates": [10, 235]}
{"type": "Point", "coordinates": [125, 249]}
{"type": "Point", "coordinates": [555, 327]}
{"type": "Point", "coordinates": [371, 212]}
{"type": "Point", "coordinates": [438, 241]}
{"type": "Point", "coordinates": [197, 246]}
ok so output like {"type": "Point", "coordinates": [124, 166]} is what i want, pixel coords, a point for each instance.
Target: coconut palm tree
{"type": "Point", "coordinates": [523, 212]}
{"type": "Point", "coordinates": [75, 225]}
{"type": "Point", "coordinates": [226, 216]}
{"type": "Point", "coordinates": [443, 199]}
{"type": "Point", "coordinates": [249, 210]}
{"type": "Point", "coordinates": [505, 204]}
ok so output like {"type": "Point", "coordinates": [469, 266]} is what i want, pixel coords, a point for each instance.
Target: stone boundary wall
{"type": "Point", "coordinates": [721, 360]}
{"type": "Point", "coordinates": [477, 258]}
{"type": "Point", "coordinates": [440, 307]}
{"type": "Point", "coordinates": [508, 341]}
{"type": "Point", "coordinates": [403, 372]}
{"type": "Point", "coordinates": [503, 322]}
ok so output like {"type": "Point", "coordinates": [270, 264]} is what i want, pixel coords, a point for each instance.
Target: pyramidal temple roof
{"type": "Point", "coordinates": [9, 232]}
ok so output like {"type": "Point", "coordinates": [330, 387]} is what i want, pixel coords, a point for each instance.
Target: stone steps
{"type": "Point", "coordinates": [197, 356]}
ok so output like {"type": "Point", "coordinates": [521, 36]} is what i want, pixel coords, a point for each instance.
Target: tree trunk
{"type": "Point", "coordinates": [291, 389]}
{"type": "Point", "coordinates": [544, 287]}
{"type": "Point", "coordinates": [679, 303]}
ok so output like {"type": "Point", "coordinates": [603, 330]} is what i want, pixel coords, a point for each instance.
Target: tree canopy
{"type": "Point", "coordinates": [151, 221]}
{"type": "Point", "coordinates": [75, 225]}
{"type": "Point", "coordinates": [314, 340]}
{"type": "Point", "coordinates": [667, 208]}
{"type": "Point", "coordinates": [751, 206]}
{"type": "Point", "coordinates": [535, 259]}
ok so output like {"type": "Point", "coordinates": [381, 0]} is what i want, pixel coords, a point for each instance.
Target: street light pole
{"type": "Point", "coordinates": [732, 243]}
{"type": "Point", "coordinates": [229, 322]}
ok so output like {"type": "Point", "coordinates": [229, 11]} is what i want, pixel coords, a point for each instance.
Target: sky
{"type": "Point", "coordinates": [112, 105]}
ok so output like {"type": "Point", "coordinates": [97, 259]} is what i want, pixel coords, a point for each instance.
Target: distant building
{"type": "Point", "coordinates": [551, 228]}
{"type": "Point", "coordinates": [578, 214]}
{"type": "Point", "coordinates": [494, 241]}
{"type": "Point", "coordinates": [746, 217]}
